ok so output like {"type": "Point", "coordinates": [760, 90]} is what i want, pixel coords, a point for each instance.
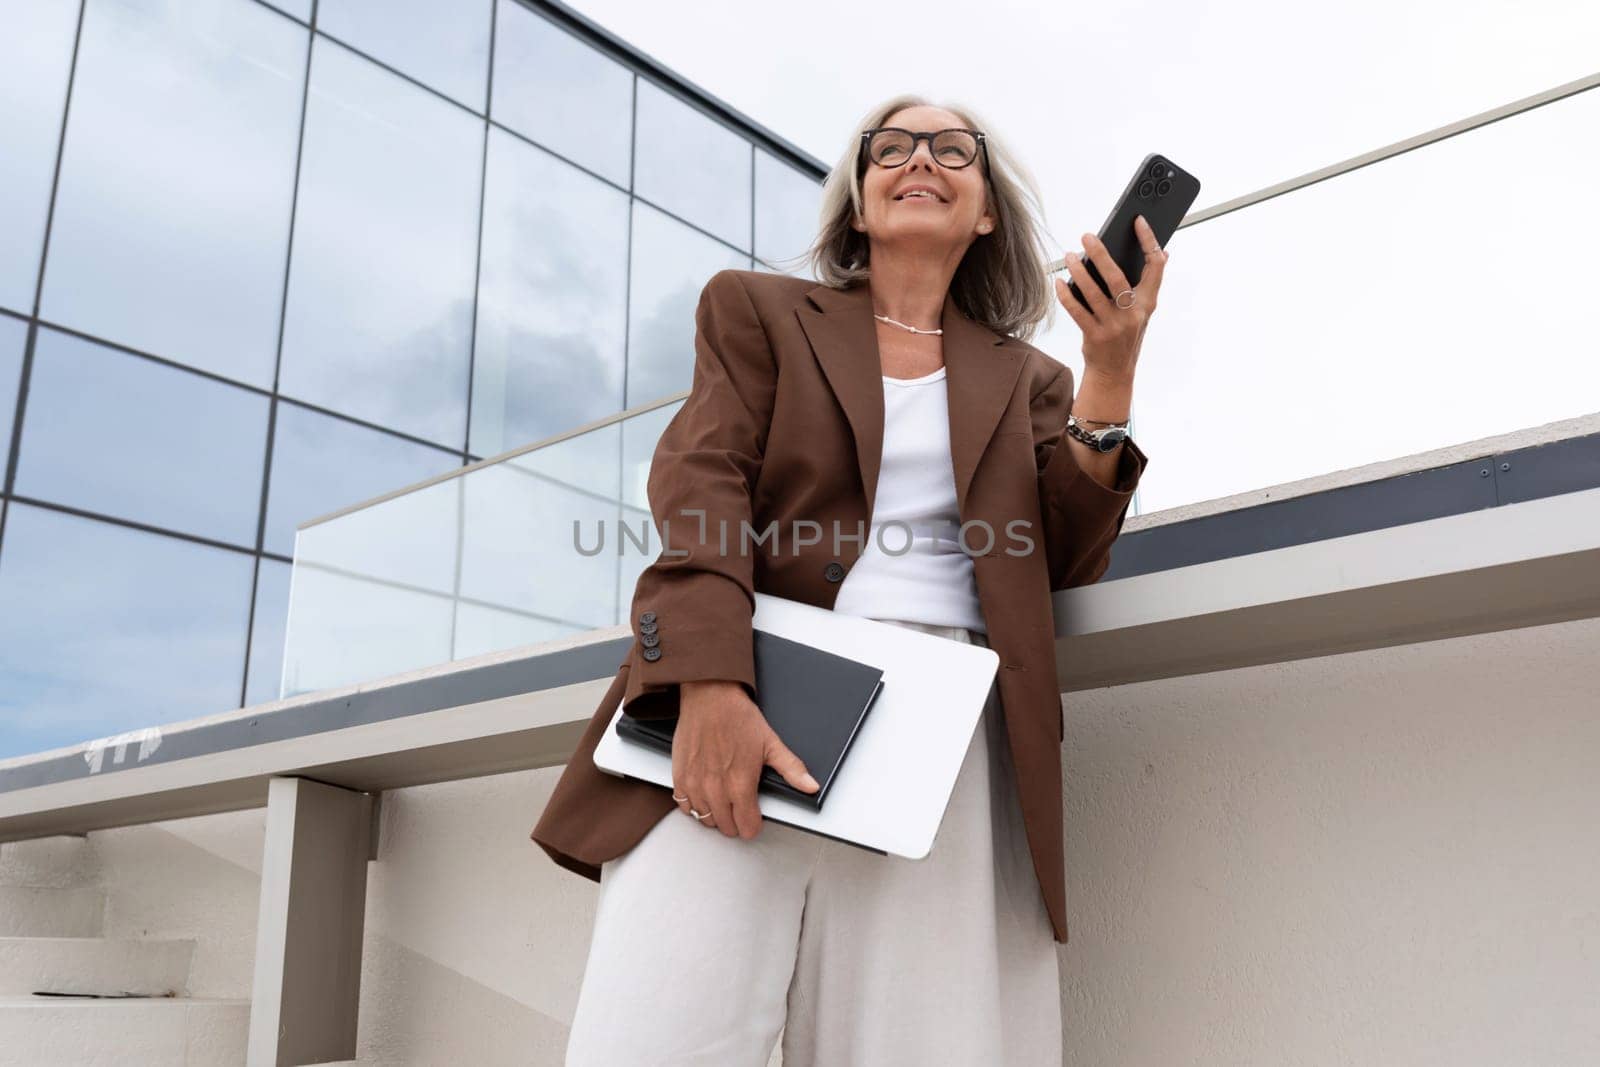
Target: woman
{"type": "Point", "coordinates": [895, 398]}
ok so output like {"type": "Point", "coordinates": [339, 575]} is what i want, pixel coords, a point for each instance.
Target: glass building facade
{"type": "Point", "coordinates": [264, 261]}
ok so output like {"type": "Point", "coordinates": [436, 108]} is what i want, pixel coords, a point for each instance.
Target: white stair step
{"type": "Point", "coordinates": [156, 1032]}
{"type": "Point", "coordinates": [93, 965]}
{"type": "Point", "coordinates": [59, 860]}
{"type": "Point", "coordinates": [45, 911]}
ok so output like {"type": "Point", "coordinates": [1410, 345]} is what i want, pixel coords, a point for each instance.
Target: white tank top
{"type": "Point", "coordinates": [912, 567]}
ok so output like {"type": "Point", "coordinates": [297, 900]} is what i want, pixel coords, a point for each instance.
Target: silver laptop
{"type": "Point", "coordinates": [896, 781]}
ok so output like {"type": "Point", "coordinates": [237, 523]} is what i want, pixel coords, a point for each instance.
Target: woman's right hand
{"type": "Point", "coordinates": [719, 748]}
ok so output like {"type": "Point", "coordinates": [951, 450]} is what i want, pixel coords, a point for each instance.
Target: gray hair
{"type": "Point", "coordinates": [1002, 281]}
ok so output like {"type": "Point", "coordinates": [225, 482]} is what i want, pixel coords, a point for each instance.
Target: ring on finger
{"type": "Point", "coordinates": [696, 814]}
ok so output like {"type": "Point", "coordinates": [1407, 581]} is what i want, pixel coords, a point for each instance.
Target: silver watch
{"type": "Point", "coordinates": [1104, 439]}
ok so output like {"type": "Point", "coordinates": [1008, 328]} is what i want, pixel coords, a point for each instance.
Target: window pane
{"type": "Point", "coordinates": [787, 203]}
{"type": "Point", "coordinates": [552, 299]}
{"type": "Point", "coordinates": [693, 166]}
{"type": "Point", "coordinates": [445, 46]}
{"type": "Point", "coordinates": [176, 178]}
{"type": "Point", "coordinates": [555, 89]}
{"type": "Point", "coordinates": [126, 436]}
{"type": "Point", "coordinates": [35, 58]}
{"type": "Point", "coordinates": [300, 9]}
{"type": "Point", "coordinates": [306, 485]}
{"type": "Point", "coordinates": [385, 243]}
{"type": "Point", "coordinates": [105, 629]}
{"type": "Point", "coordinates": [671, 264]}
{"type": "Point", "coordinates": [266, 633]}
{"type": "Point", "coordinates": [13, 339]}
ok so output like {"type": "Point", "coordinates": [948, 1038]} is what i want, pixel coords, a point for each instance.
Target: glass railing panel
{"type": "Point", "coordinates": [1428, 299]}
{"type": "Point", "coordinates": [522, 554]}
{"type": "Point", "coordinates": [523, 549]}
{"type": "Point", "coordinates": [372, 591]}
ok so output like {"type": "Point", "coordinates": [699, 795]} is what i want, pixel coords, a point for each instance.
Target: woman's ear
{"type": "Point", "coordinates": [986, 221]}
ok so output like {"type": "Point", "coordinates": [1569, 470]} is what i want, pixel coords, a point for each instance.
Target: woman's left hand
{"type": "Point", "coordinates": [1112, 335]}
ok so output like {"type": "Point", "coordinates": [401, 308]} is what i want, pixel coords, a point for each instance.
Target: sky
{"type": "Point", "coordinates": [1358, 321]}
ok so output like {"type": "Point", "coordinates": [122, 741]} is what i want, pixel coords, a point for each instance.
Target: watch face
{"type": "Point", "coordinates": [1109, 439]}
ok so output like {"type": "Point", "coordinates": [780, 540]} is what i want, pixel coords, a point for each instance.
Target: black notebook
{"type": "Point", "coordinates": [815, 701]}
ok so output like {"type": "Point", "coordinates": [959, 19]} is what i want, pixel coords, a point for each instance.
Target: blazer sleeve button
{"type": "Point", "coordinates": [649, 640]}
{"type": "Point", "coordinates": [648, 627]}
{"type": "Point", "coordinates": [648, 617]}
{"type": "Point", "coordinates": [834, 572]}
{"type": "Point", "coordinates": [651, 654]}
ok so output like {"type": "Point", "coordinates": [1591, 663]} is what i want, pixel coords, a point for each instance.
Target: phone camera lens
{"type": "Point", "coordinates": [1146, 187]}
{"type": "Point", "coordinates": [1164, 188]}
{"type": "Point", "coordinates": [1158, 170]}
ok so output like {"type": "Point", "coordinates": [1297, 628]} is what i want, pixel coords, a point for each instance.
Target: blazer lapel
{"type": "Point", "coordinates": [981, 370]}
{"type": "Point", "coordinates": [844, 336]}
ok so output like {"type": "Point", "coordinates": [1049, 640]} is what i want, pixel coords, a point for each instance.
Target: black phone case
{"type": "Point", "coordinates": [1159, 191]}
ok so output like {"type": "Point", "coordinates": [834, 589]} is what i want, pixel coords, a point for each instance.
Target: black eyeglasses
{"type": "Point", "coordinates": [891, 146]}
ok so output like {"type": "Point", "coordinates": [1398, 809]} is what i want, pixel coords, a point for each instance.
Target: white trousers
{"type": "Point", "coordinates": [705, 946]}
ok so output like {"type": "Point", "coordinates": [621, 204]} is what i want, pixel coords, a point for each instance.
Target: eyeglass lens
{"type": "Point", "coordinates": [952, 148]}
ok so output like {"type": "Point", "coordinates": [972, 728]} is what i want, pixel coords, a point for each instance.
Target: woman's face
{"type": "Point", "coordinates": [953, 221]}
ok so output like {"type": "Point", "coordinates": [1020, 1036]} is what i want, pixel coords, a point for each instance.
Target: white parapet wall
{"type": "Point", "coordinates": [1377, 857]}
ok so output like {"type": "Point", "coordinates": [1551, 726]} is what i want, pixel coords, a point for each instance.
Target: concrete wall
{"type": "Point", "coordinates": [1381, 858]}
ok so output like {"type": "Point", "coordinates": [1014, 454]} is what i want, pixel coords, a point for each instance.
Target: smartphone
{"type": "Point", "coordinates": [1160, 191]}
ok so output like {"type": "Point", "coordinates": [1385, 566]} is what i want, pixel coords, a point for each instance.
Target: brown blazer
{"type": "Point", "coordinates": [784, 422]}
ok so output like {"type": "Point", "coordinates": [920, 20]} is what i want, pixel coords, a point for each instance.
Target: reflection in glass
{"type": "Point", "coordinates": [130, 437]}
{"type": "Point", "coordinates": [552, 299]}
{"type": "Point", "coordinates": [105, 629]}
{"type": "Point", "coordinates": [445, 46]}
{"type": "Point", "coordinates": [787, 203]}
{"type": "Point", "coordinates": [521, 551]}
{"type": "Point", "coordinates": [13, 339]}
{"type": "Point", "coordinates": [671, 265]}
{"type": "Point", "coordinates": [266, 632]}
{"type": "Point", "coordinates": [557, 90]}
{"type": "Point", "coordinates": [692, 165]}
{"type": "Point", "coordinates": [173, 208]}
{"type": "Point", "coordinates": [321, 464]}
{"type": "Point", "coordinates": [386, 230]}
{"type": "Point", "coordinates": [35, 58]}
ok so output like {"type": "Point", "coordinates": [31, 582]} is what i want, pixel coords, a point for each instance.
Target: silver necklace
{"type": "Point", "coordinates": [903, 326]}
